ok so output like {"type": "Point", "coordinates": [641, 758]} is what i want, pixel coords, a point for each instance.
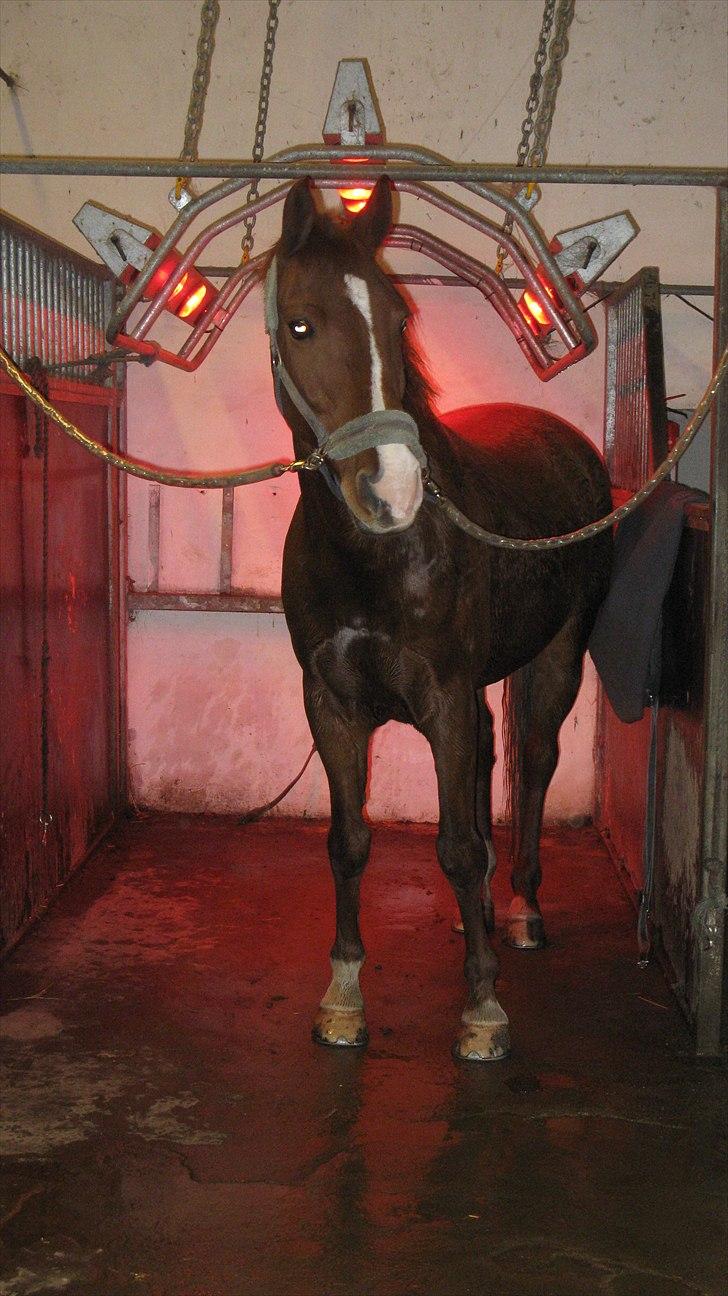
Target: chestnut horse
{"type": "Point", "coordinates": [396, 614]}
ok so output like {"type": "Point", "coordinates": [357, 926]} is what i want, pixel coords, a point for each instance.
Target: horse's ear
{"type": "Point", "coordinates": [299, 214]}
{"type": "Point", "coordinates": [373, 224]}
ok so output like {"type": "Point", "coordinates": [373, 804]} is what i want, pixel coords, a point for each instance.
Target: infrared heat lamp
{"type": "Point", "coordinates": [548, 322]}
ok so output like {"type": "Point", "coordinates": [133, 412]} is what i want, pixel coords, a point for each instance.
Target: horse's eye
{"type": "Point", "coordinates": [300, 328]}
{"type": "Point", "coordinates": [403, 325]}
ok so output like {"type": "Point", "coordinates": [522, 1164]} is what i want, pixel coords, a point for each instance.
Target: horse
{"type": "Point", "coordinates": [395, 614]}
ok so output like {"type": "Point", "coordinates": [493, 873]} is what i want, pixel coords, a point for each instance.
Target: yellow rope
{"type": "Point", "coordinates": [246, 476]}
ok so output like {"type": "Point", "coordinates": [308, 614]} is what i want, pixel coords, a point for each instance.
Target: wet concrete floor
{"type": "Point", "coordinates": [171, 1130]}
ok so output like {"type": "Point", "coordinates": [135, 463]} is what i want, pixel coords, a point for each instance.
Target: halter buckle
{"type": "Point", "coordinates": [311, 463]}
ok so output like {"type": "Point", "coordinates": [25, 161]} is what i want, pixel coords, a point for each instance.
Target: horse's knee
{"type": "Point", "coordinates": [349, 847]}
{"type": "Point", "coordinates": [461, 859]}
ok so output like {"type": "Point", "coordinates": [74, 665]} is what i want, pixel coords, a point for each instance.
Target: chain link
{"type": "Point", "coordinates": [266, 78]}
{"type": "Point", "coordinates": [532, 102]}
{"type": "Point", "coordinates": [552, 79]}
{"type": "Point", "coordinates": [541, 102]}
{"type": "Point", "coordinates": [244, 478]}
{"type": "Point", "coordinates": [618, 514]}
{"type": "Point", "coordinates": [535, 84]}
{"type": "Point", "coordinates": [196, 110]}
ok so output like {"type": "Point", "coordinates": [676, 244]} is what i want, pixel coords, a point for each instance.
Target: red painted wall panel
{"type": "Point", "coordinates": [82, 702]}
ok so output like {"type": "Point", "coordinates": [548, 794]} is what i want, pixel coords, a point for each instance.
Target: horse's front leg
{"type": "Point", "coordinates": [452, 732]}
{"type": "Point", "coordinates": [483, 818]}
{"type": "Point", "coordinates": [342, 741]}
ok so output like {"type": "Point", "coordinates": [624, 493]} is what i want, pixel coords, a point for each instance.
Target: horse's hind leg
{"type": "Point", "coordinates": [452, 732]}
{"type": "Point", "coordinates": [343, 745]}
{"type": "Point", "coordinates": [555, 676]}
{"type": "Point", "coordinates": [483, 782]}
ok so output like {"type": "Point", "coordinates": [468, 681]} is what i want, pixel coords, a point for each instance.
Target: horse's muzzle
{"type": "Point", "coordinates": [388, 498]}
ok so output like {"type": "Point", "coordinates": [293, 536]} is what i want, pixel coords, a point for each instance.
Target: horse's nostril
{"type": "Point", "coordinates": [368, 496]}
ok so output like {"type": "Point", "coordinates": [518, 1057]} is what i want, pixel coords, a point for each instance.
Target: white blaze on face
{"type": "Point", "coordinates": [400, 482]}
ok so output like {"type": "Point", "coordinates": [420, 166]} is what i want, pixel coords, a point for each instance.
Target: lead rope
{"type": "Point", "coordinates": [246, 477]}
{"type": "Point", "coordinates": [618, 514]}
{"type": "Point", "coordinates": [252, 816]}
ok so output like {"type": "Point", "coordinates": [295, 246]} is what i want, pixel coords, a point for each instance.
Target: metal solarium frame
{"type": "Point", "coordinates": [409, 166]}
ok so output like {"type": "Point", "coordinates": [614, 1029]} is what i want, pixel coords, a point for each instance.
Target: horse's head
{"type": "Point", "coordinates": [336, 324]}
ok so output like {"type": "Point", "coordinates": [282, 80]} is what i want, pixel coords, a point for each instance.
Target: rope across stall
{"type": "Point", "coordinates": [315, 461]}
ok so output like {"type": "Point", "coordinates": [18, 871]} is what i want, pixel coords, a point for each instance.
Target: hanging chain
{"type": "Point", "coordinates": [196, 111]}
{"type": "Point", "coordinates": [534, 95]}
{"type": "Point", "coordinates": [266, 77]}
{"type": "Point", "coordinates": [552, 79]}
{"type": "Point", "coordinates": [534, 92]}
{"type": "Point", "coordinates": [536, 126]}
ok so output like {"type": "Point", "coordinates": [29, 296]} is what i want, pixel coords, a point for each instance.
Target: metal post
{"type": "Point", "coordinates": [226, 539]}
{"type": "Point", "coordinates": [153, 535]}
{"type": "Point", "coordinates": [710, 916]}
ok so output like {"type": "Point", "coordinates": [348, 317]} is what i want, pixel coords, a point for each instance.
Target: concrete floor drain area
{"type": "Point", "coordinates": [169, 1128]}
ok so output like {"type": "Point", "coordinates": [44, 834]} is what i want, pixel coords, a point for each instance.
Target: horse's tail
{"type": "Point", "coordinates": [517, 708]}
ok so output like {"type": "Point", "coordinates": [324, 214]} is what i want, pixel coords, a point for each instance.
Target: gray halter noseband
{"type": "Point", "coordinates": [379, 427]}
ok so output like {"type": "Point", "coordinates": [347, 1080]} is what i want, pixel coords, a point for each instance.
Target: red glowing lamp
{"type": "Point", "coordinates": [532, 310]}
{"type": "Point", "coordinates": [188, 299]}
{"type": "Point", "coordinates": [353, 121]}
{"type": "Point", "coordinates": [355, 197]}
{"type": "Point", "coordinates": [125, 247]}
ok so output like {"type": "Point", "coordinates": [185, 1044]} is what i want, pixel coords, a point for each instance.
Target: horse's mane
{"type": "Point", "coordinates": [419, 389]}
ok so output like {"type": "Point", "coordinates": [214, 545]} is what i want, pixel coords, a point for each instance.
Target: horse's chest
{"type": "Point", "coordinates": [372, 670]}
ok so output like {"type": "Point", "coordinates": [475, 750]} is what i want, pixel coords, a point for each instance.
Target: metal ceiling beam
{"type": "Point", "coordinates": [410, 164]}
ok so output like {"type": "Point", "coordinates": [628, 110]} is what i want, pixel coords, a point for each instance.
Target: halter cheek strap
{"type": "Point", "coordinates": [379, 427]}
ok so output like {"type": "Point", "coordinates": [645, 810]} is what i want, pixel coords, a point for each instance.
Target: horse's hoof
{"type": "Point", "coordinates": [524, 926]}
{"type": "Point", "coordinates": [340, 1029]}
{"type": "Point", "coordinates": [525, 933]}
{"type": "Point", "coordinates": [482, 1042]}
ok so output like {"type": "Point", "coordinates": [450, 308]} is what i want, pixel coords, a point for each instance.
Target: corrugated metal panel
{"type": "Point", "coordinates": [635, 443]}
{"type": "Point", "coordinates": [55, 304]}
{"type": "Point", "coordinates": [635, 430]}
